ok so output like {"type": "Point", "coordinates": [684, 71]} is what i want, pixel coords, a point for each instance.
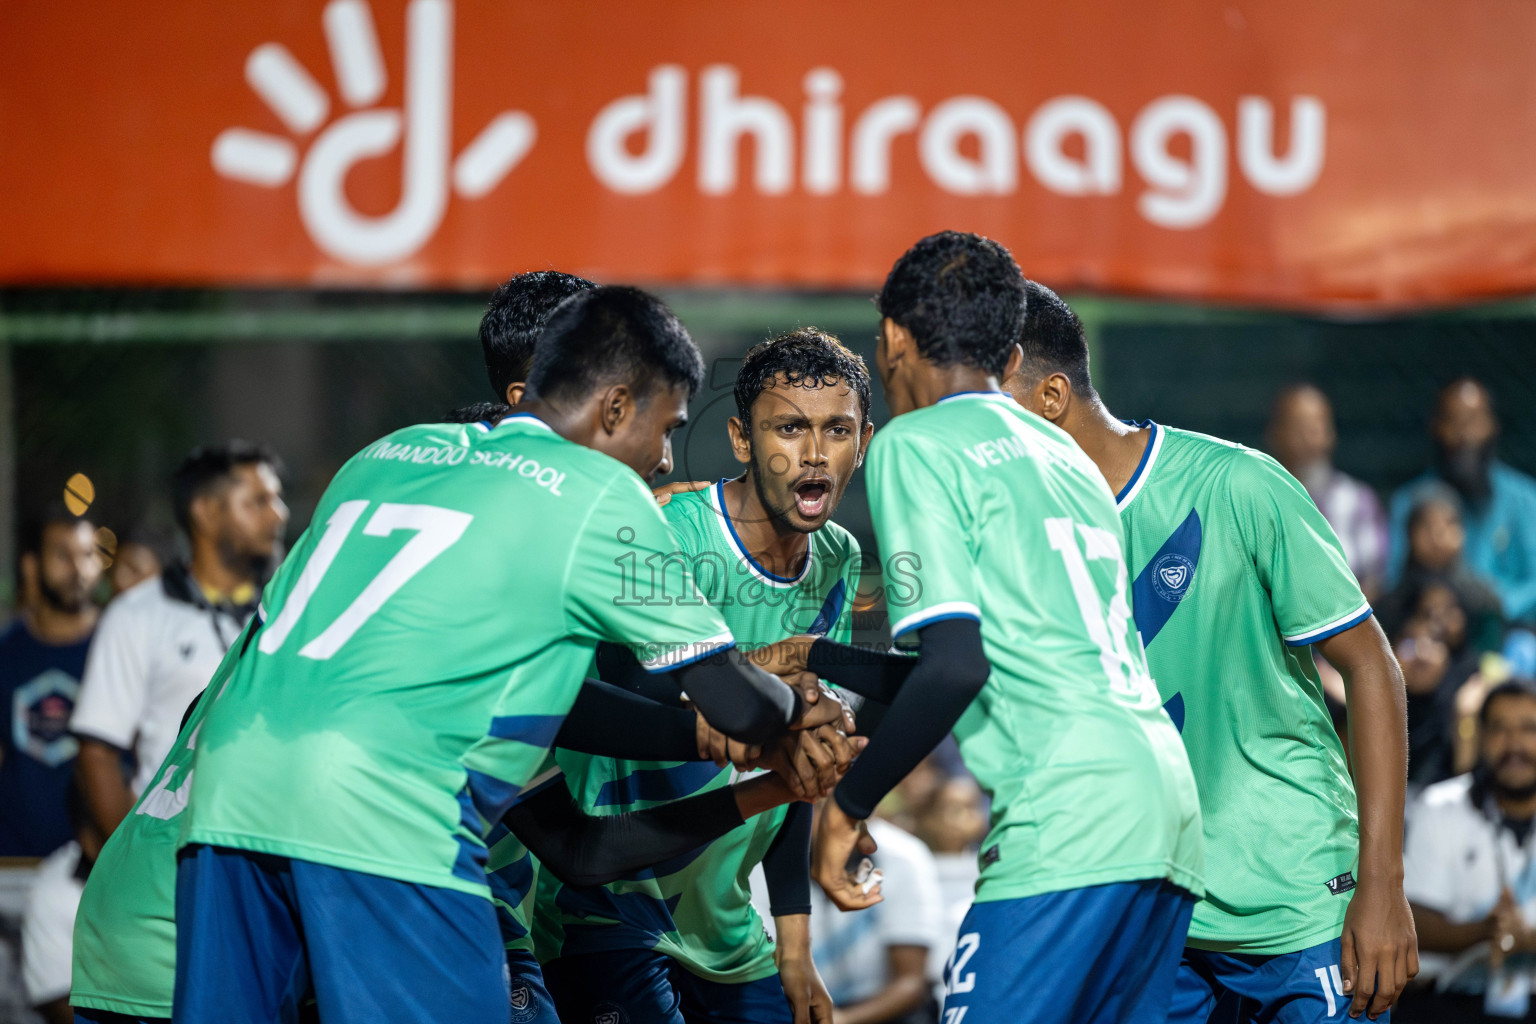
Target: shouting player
{"type": "Point", "coordinates": [683, 942]}
{"type": "Point", "coordinates": [418, 653]}
{"type": "Point", "coordinates": [1026, 651]}
{"type": "Point", "coordinates": [1236, 575]}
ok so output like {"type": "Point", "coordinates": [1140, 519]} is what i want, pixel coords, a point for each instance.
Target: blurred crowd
{"type": "Point", "coordinates": [113, 638]}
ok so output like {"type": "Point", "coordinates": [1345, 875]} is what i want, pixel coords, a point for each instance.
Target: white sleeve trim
{"type": "Point", "coordinates": [944, 610]}
{"type": "Point", "coordinates": [673, 656]}
{"type": "Point", "coordinates": [1338, 625]}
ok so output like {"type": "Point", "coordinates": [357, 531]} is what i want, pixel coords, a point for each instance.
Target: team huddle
{"type": "Point", "coordinates": [510, 731]}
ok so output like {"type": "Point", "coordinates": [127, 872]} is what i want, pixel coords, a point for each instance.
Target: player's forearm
{"type": "Point", "coordinates": [586, 850]}
{"type": "Point", "coordinates": [787, 866]}
{"type": "Point", "coordinates": [791, 937]}
{"type": "Point", "coordinates": [99, 773]}
{"type": "Point", "coordinates": [1438, 934]}
{"type": "Point", "coordinates": [951, 671]}
{"type": "Point", "coordinates": [738, 698]}
{"type": "Point", "coordinates": [1378, 740]}
{"type": "Point", "coordinates": [874, 675]}
{"type": "Point", "coordinates": [611, 722]}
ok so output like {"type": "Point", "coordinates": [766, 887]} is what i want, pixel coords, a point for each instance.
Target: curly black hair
{"type": "Point", "coordinates": [806, 357]}
{"type": "Point", "coordinates": [962, 298]}
{"type": "Point", "coordinates": [517, 313]}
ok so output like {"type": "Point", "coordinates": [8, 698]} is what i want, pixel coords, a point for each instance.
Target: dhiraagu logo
{"type": "Point", "coordinates": [331, 147]}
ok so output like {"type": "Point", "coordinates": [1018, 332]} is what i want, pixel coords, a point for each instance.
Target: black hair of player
{"type": "Point", "coordinates": [1054, 341]}
{"type": "Point", "coordinates": [478, 412]}
{"type": "Point", "coordinates": [34, 525]}
{"type": "Point", "coordinates": [515, 318]}
{"type": "Point", "coordinates": [613, 335]}
{"type": "Point", "coordinates": [208, 467]}
{"type": "Point", "coordinates": [961, 296]}
{"type": "Point", "coordinates": [805, 357]}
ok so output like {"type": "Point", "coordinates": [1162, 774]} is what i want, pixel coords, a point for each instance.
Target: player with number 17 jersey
{"type": "Point", "coordinates": [1011, 525]}
{"type": "Point", "coordinates": [439, 530]}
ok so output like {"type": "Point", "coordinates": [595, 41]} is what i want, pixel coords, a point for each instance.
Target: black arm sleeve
{"type": "Point", "coordinates": [611, 722]}
{"type": "Point", "coordinates": [586, 850]}
{"type": "Point", "coordinates": [617, 664]}
{"type": "Point", "coordinates": [876, 675]}
{"type": "Point", "coordinates": [951, 670]}
{"type": "Point", "coordinates": [737, 697]}
{"type": "Point", "coordinates": [787, 864]}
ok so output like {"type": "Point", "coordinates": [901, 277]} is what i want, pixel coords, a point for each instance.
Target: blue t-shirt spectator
{"type": "Point", "coordinates": [38, 686]}
{"type": "Point", "coordinates": [1500, 535]}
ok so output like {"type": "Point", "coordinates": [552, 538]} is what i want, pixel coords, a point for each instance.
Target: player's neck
{"type": "Point", "coordinates": [938, 382]}
{"type": "Point", "coordinates": [1115, 447]}
{"type": "Point", "coordinates": [59, 628]}
{"type": "Point", "coordinates": [770, 542]}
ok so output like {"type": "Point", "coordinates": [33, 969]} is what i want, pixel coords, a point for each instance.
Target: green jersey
{"type": "Point", "coordinates": [513, 871]}
{"type": "Point", "coordinates": [697, 909]}
{"type": "Point", "coordinates": [125, 929]}
{"type": "Point", "coordinates": [1236, 573]}
{"type": "Point", "coordinates": [421, 646]}
{"type": "Point", "coordinates": [1004, 520]}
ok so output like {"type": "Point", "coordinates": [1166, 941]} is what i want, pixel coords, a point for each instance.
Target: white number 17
{"type": "Point", "coordinates": [1107, 627]}
{"type": "Point", "coordinates": [437, 530]}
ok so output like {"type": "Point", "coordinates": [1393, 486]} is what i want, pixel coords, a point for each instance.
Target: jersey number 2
{"type": "Point", "coordinates": [437, 530]}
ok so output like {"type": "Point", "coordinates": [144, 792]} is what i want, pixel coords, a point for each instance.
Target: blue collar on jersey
{"type": "Point", "coordinates": [1154, 441]}
{"type": "Point", "coordinates": [741, 549]}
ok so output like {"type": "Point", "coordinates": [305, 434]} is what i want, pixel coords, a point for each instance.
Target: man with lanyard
{"type": "Point", "coordinates": [160, 641]}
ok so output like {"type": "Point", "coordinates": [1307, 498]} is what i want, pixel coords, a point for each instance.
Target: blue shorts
{"type": "Point", "coordinates": [530, 1000]}
{"type": "Point", "coordinates": [1106, 954]}
{"type": "Point", "coordinates": [1286, 988]}
{"type": "Point", "coordinates": [642, 986]}
{"type": "Point", "coordinates": [86, 1015]}
{"type": "Point", "coordinates": [257, 936]}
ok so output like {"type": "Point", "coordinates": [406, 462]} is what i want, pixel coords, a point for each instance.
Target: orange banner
{"type": "Point", "coordinates": [1311, 153]}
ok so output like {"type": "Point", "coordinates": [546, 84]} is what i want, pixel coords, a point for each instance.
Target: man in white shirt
{"type": "Point", "coordinates": [880, 964]}
{"type": "Point", "coordinates": [1470, 874]}
{"type": "Point", "coordinates": [159, 642]}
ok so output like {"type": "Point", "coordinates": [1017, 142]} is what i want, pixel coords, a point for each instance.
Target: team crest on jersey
{"type": "Point", "coordinates": [607, 1013]}
{"type": "Point", "coordinates": [1171, 574]}
{"type": "Point", "coordinates": [524, 1006]}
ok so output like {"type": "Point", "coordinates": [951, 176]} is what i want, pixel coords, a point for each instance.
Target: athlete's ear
{"type": "Point", "coordinates": [616, 408]}
{"type": "Point", "coordinates": [897, 341]}
{"type": "Point", "coordinates": [865, 433]}
{"type": "Point", "coordinates": [515, 393]}
{"type": "Point", "coordinates": [1015, 360]}
{"type": "Point", "coordinates": [741, 443]}
{"type": "Point", "coordinates": [1055, 396]}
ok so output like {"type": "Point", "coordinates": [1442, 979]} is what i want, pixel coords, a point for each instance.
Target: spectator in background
{"type": "Point", "coordinates": [1497, 503]}
{"type": "Point", "coordinates": [1302, 437]}
{"type": "Point", "coordinates": [952, 824]}
{"type": "Point", "coordinates": [47, 937]}
{"type": "Point", "coordinates": [1468, 874]}
{"type": "Point", "coordinates": [159, 642]}
{"type": "Point", "coordinates": [1437, 661]}
{"type": "Point", "coordinates": [880, 964]}
{"type": "Point", "coordinates": [42, 657]}
{"type": "Point", "coordinates": [135, 561]}
{"type": "Point", "coordinates": [1435, 555]}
